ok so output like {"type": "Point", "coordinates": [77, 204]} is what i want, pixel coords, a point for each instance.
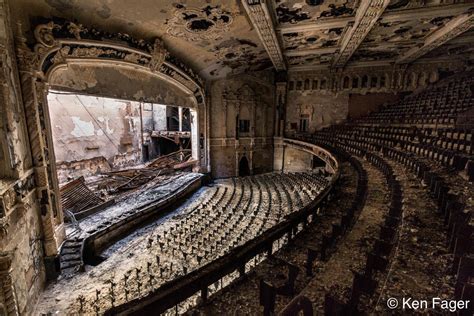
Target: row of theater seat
{"type": "Point", "coordinates": [454, 154]}
{"type": "Point", "coordinates": [399, 132]}
{"type": "Point", "coordinates": [234, 211]}
{"type": "Point", "coordinates": [378, 259]}
{"type": "Point", "coordinates": [457, 218]}
{"type": "Point", "coordinates": [437, 105]}
{"type": "Point", "coordinates": [268, 290]}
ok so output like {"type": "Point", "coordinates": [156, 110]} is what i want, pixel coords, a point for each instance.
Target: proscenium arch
{"type": "Point", "coordinates": [61, 46]}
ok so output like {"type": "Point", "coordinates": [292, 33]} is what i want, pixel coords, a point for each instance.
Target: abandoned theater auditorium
{"type": "Point", "coordinates": [236, 157]}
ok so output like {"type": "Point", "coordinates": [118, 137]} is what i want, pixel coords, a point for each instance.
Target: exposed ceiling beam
{"type": "Point", "coordinates": [450, 30]}
{"type": "Point", "coordinates": [408, 14]}
{"type": "Point", "coordinates": [366, 16]}
{"type": "Point", "coordinates": [260, 17]}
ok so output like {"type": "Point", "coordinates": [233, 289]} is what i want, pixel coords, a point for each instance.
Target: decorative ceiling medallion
{"type": "Point", "coordinates": [196, 24]}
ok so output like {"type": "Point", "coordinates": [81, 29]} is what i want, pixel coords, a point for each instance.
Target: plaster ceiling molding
{"type": "Point", "coordinates": [366, 17]}
{"type": "Point", "coordinates": [240, 55]}
{"type": "Point", "coordinates": [442, 35]}
{"type": "Point", "coordinates": [461, 47]}
{"type": "Point", "coordinates": [306, 11]}
{"type": "Point", "coordinates": [261, 19]}
{"type": "Point", "coordinates": [374, 55]}
{"type": "Point", "coordinates": [312, 39]}
{"type": "Point", "coordinates": [197, 24]}
{"type": "Point", "coordinates": [310, 60]}
{"type": "Point", "coordinates": [412, 30]}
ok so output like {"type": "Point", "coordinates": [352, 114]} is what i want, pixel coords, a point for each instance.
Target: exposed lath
{"type": "Point", "coordinates": [452, 29]}
{"type": "Point", "coordinates": [367, 14]}
{"type": "Point", "coordinates": [259, 15]}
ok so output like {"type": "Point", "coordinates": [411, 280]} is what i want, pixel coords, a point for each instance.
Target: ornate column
{"type": "Point", "coordinates": [253, 107]}
{"type": "Point", "coordinates": [8, 303]}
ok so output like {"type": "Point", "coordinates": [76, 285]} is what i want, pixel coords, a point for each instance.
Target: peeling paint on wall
{"type": "Point", "coordinates": [82, 128]}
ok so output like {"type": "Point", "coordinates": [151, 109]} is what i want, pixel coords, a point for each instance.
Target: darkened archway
{"type": "Point", "coordinates": [244, 169]}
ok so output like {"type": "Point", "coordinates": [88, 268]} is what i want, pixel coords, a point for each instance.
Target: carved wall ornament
{"type": "Point", "coordinates": [207, 23]}
{"type": "Point", "coordinates": [44, 34]}
{"type": "Point", "coordinates": [158, 55]}
{"type": "Point", "coordinates": [75, 30]}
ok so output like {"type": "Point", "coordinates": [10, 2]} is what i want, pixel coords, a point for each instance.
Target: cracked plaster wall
{"type": "Point", "coordinates": [20, 221]}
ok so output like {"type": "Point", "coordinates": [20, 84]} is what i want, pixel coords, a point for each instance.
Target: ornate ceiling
{"type": "Point", "coordinates": [217, 38]}
{"type": "Point", "coordinates": [214, 37]}
{"type": "Point", "coordinates": [320, 33]}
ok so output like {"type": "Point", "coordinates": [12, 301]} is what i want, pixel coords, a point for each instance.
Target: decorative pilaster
{"type": "Point", "coordinates": [33, 90]}
{"type": "Point", "coordinates": [281, 88]}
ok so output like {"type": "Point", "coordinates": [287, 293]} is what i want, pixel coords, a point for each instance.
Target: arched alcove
{"type": "Point", "coordinates": [244, 167]}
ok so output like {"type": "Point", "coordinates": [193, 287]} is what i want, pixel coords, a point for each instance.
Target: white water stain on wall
{"type": "Point", "coordinates": [82, 128]}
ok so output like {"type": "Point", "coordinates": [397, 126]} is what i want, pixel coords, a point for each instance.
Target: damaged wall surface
{"type": "Point", "coordinates": [93, 134]}
{"type": "Point", "coordinates": [85, 127]}
{"type": "Point", "coordinates": [25, 227]}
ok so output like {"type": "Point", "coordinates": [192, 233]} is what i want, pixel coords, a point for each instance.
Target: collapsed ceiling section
{"type": "Point", "coordinates": [217, 38]}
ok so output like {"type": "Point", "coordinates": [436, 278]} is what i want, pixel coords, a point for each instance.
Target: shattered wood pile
{"type": "Point", "coordinates": [130, 179]}
{"type": "Point", "coordinates": [76, 197]}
